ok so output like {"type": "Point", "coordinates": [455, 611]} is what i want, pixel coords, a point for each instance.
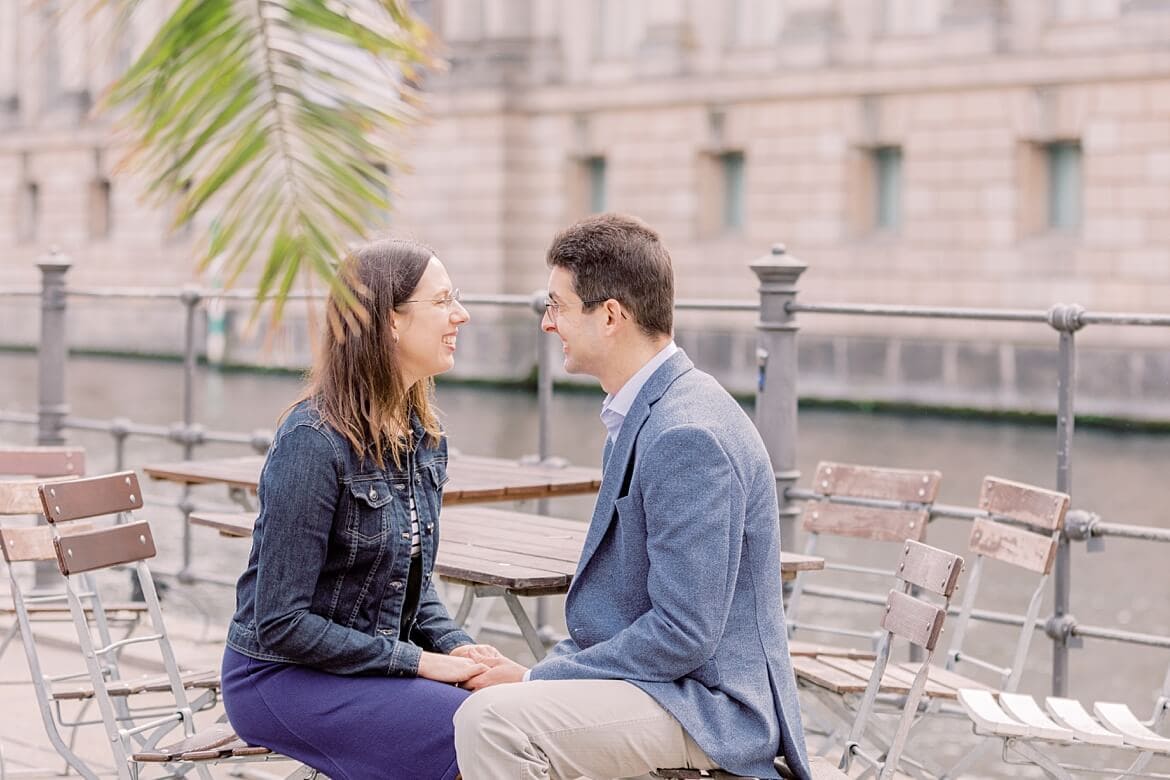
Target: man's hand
{"type": "Point", "coordinates": [501, 670]}
{"type": "Point", "coordinates": [448, 668]}
{"type": "Point", "coordinates": [483, 654]}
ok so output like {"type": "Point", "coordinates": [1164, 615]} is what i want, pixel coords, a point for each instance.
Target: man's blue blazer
{"type": "Point", "coordinates": [678, 589]}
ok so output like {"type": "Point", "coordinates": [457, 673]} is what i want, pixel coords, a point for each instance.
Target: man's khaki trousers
{"type": "Point", "coordinates": [568, 729]}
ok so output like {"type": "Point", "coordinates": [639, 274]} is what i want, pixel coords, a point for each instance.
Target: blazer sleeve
{"type": "Point", "coordinates": [694, 506]}
{"type": "Point", "coordinates": [296, 521]}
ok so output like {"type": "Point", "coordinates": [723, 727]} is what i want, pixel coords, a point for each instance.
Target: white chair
{"type": "Point", "coordinates": [1041, 735]}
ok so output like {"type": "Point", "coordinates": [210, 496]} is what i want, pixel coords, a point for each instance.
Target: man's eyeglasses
{"type": "Point", "coordinates": [447, 302]}
{"type": "Point", "coordinates": [553, 309]}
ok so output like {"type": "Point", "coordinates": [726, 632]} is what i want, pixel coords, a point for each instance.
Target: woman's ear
{"type": "Point", "coordinates": [394, 326]}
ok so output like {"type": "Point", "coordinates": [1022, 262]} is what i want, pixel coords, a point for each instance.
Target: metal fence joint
{"type": "Point", "coordinates": [1067, 317]}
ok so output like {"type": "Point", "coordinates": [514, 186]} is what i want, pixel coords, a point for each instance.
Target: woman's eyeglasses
{"type": "Point", "coordinates": [447, 302]}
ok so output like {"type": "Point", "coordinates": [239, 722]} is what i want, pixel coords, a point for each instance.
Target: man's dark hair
{"type": "Point", "coordinates": [619, 257]}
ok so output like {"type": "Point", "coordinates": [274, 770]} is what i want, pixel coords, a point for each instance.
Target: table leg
{"type": "Point", "coordinates": [531, 635]}
{"type": "Point", "coordinates": [242, 497]}
{"type": "Point", "coordinates": [465, 604]}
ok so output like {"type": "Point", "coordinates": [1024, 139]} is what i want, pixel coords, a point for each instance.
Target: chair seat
{"type": "Point", "coordinates": [1119, 718]}
{"type": "Point", "coordinates": [797, 647]}
{"type": "Point", "coordinates": [203, 678]}
{"type": "Point", "coordinates": [1070, 714]}
{"type": "Point", "coordinates": [218, 741]}
{"type": "Point", "coordinates": [114, 610]}
{"type": "Point", "coordinates": [851, 675]}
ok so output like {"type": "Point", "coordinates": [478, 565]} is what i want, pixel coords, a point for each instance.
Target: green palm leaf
{"type": "Point", "coordinates": [272, 116]}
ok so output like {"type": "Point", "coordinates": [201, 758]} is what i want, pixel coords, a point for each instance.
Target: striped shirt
{"type": "Point", "coordinates": [415, 538]}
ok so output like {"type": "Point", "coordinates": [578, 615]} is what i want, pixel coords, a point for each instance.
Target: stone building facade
{"type": "Point", "coordinates": [976, 153]}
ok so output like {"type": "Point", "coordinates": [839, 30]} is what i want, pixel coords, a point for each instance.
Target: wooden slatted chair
{"type": "Point", "coordinates": [1040, 735]}
{"type": "Point", "coordinates": [27, 464]}
{"type": "Point", "coordinates": [1021, 528]}
{"type": "Point", "coordinates": [131, 544]}
{"type": "Point", "coordinates": [900, 510]}
{"type": "Point", "coordinates": [23, 547]}
{"type": "Point", "coordinates": [907, 617]}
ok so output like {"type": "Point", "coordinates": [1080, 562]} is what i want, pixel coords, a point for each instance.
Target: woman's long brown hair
{"type": "Point", "coordinates": [356, 380]}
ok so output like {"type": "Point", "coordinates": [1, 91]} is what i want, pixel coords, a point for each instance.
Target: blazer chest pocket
{"type": "Point", "coordinates": [367, 516]}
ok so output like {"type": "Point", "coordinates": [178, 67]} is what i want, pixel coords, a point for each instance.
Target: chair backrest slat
{"type": "Point", "coordinates": [1017, 546]}
{"type": "Point", "coordinates": [913, 619]}
{"type": "Point", "coordinates": [117, 544]}
{"type": "Point", "coordinates": [930, 568]}
{"type": "Point", "coordinates": [1029, 504]}
{"type": "Point", "coordinates": [92, 497]}
{"type": "Point", "coordinates": [36, 543]}
{"type": "Point", "coordinates": [846, 479]}
{"type": "Point", "coordinates": [42, 461]}
{"type": "Point", "coordinates": [20, 497]}
{"type": "Point", "coordinates": [865, 522]}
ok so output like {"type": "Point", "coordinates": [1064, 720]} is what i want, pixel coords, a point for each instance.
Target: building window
{"type": "Point", "coordinates": [1087, 10]}
{"type": "Point", "coordinates": [722, 202]}
{"type": "Point", "coordinates": [1064, 184]}
{"type": "Point", "coordinates": [28, 212]}
{"type": "Point", "coordinates": [887, 188]}
{"type": "Point", "coordinates": [100, 214]}
{"type": "Point", "coordinates": [731, 164]}
{"type": "Point", "coordinates": [752, 22]}
{"type": "Point", "coordinates": [910, 17]}
{"type": "Point", "coordinates": [595, 184]}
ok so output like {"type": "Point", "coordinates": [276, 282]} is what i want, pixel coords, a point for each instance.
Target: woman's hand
{"type": "Point", "coordinates": [485, 654]}
{"type": "Point", "coordinates": [448, 668]}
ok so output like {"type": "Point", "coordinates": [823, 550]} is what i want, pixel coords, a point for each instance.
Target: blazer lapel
{"type": "Point", "coordinates": [617, 457]}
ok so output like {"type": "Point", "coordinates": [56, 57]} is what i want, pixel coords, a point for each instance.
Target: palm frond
{"type": "Point", "coordinates": [271, 116]}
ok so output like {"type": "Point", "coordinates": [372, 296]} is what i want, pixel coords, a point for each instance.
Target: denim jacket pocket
{"type": "Point", "coordinates": [437, 473]}
{"type": "Point", "coordinates": [367, 521]}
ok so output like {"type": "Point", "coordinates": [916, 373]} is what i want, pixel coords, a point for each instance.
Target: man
{"type": "Point", "coordinates": [677, 654]}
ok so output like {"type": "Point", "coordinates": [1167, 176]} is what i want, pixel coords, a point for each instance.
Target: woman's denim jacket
{"type": "Point", "coordinates": [326, 579]}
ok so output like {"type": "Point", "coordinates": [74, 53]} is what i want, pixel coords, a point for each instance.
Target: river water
{"type": "Point", "coordinates": [1119, 474]}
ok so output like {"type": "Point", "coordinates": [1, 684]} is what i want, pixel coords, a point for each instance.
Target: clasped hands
{"type": "Point", "coordinates": [471, 667]}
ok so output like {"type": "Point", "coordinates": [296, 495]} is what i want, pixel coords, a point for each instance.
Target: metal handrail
{"type": "Point", "coordinates": [777, 330]}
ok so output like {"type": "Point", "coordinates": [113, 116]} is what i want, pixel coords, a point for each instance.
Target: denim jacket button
{"type": "Point", "coordinates": [396, 584]}
{"type": "Point", "coordinates": [373, 494]}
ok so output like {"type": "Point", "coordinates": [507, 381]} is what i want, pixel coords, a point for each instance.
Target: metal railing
{"type": "Point", "coordinates": [776, 404]}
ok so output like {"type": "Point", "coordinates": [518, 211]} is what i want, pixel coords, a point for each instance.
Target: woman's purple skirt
{"type": "Point", "coordinates": [349, 728]}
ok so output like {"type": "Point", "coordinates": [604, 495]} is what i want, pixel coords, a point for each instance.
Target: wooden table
{"type": "Point", "coordinates": [492, 552]}
{"type": "Point", "coordinates": [473, 478]}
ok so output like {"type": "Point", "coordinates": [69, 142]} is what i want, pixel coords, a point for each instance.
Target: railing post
{"type": "Point", "coordinates": [52, 350]}
{"type": "Point", "coordinates": [190, 297]}
{"type": "Point", "coordinates": [1067, 320]}
{"type": "Point", "coordinates": [544, 393]}
{"type": "Point", "coordinates": [52, 356]}
{"type": "Point", "coordinates": [544, 377]}
{"type": "Point", "coordinates": [778, 273]}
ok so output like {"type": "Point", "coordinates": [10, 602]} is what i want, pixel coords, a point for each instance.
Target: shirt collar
{"type": "Point", "coordinates": [619, 403]}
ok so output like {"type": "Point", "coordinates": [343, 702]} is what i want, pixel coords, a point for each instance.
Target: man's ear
{"type": "Point", "coordinates": [613, 313]}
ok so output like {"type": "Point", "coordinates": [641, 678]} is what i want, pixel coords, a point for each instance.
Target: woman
{"type": "Point", "coordinates": [340, 653]}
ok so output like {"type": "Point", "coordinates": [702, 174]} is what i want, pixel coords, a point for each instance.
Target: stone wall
{"type": "Point", "coordinates": [971, 92]}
